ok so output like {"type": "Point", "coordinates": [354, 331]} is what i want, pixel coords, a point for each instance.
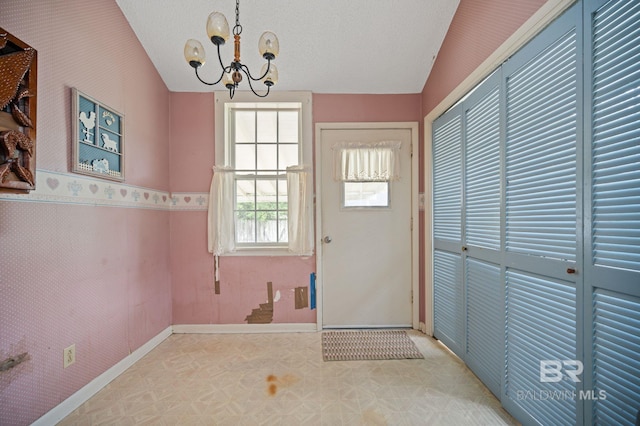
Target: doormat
{"type": "Point", "coordinates": [349, 345]}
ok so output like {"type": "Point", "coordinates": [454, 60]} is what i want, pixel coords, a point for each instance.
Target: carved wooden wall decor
{"type": "Point", "coordinates": [18, 89]}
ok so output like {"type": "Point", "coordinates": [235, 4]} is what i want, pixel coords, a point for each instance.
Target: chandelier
{"type": "Point", "coordinates": [231, 76]}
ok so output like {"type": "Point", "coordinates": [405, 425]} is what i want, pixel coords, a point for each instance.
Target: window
{"type": "Point", "coordinates": [365, 194]}
{"type": "Point", "coordinates": [259, 141]}
{"type": "Point", "coordinates": [264, 141]}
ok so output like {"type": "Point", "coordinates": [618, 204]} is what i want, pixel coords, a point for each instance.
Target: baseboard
{"type": "Point", "coordinates": [67, 406]}
{"type": "Point", "coordinates": [245, 328]}
{"type": "Point", "coordinates": [423, 327]}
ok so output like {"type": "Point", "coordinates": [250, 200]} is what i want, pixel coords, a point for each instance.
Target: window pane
{"type": "Point", "coordinates": [245, 157]}
{"type": "Point", "coordinates": [245, 192]}
{"type": "Point", "coordinates": [267, 157]}
{"type": "Point", "coordinates": [245, 126]}
{"type": "Point", "coordinates": [366, 194]}
{"type": "Point", "coordinates": [245, 227]}
{"type": "Point", "coordinates": [288, 156]}
{"type": "Point", "coordinates": [288, 126]}
{"type": "Point", "coordinates": [266, 194]}
{"type": "Point", "coordinates": [267, 126]}
{"type": "Point", "coordinates": [267, 228]}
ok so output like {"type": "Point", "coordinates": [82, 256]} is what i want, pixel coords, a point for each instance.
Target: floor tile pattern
{"type": "Point", "coordinates": [281, 379]}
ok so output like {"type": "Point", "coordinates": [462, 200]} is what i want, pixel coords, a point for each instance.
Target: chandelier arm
{"type": "Point", "coordinates": [245, 70]}
{"type": "Point", "coordinates": [224, 70]}
{"type": "Point", "coordinates": [220, 60]}
{"type": "Point", "coordinates": [248, 73]}
{"type": "Point", "coordinates": [207, 83]}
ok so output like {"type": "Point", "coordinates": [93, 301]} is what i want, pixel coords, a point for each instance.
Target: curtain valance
{"type": "Point", "coordinates": [366, 161]}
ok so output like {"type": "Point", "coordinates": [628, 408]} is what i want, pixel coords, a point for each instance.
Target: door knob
{"type": "Point", "coordinates": [327, 239]}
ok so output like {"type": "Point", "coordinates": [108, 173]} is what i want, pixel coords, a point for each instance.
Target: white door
{"type": "Point", "coordinates": [366, 259]}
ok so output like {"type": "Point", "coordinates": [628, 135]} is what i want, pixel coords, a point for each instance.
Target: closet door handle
{"type": "Point", "coordinates": [571, 271]}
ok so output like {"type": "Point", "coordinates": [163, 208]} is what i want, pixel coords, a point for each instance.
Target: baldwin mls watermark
{"type": "Point", "coordinates": [554, 371]}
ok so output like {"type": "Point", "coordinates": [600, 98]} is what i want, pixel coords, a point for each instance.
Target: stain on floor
{"type": "Point", "coordinates": [275, 383]}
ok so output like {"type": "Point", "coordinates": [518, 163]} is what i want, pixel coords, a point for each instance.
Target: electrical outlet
{"type": "Point", "coordinates": [69, 355]}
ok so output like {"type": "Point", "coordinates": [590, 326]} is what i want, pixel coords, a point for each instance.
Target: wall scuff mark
{"type": "Point", "coordinates": [11, 362]}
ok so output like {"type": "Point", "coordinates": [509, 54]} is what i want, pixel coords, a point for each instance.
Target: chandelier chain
{"type": "Point", "coordinates": [237, 29]}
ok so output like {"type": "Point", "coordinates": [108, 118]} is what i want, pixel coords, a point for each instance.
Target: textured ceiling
{"type": "Point", "coordinates": [326, 46]}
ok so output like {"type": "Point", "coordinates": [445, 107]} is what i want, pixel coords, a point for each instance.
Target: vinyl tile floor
{"type": "Point", "coordinates": [281, 379]}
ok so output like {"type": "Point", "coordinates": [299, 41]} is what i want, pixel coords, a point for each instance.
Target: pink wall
{"type": "Point", "coordinates": [95, 276]}
{"type": "Point", "coordinates": [192, 147]}
{"type": "Point", "coordinates": [243, 279]}
{"type": "Point", "coordinates": [366, 108]}
{"type": "Point", "coordinates": [478, 28]}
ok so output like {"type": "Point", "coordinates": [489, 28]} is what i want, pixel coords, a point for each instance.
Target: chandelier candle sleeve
{"type": "Point", "coordinates": [231, 75]}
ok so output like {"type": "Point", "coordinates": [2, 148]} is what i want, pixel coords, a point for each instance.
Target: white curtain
{"type": "Point", "coordinates": [366, 162]}
{"type": "Point", "coordinates": [300, 217]}
{"type": "Point", "coordinates": [220, 223]}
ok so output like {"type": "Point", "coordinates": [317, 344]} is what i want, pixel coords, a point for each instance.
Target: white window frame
{"type": "Point", "coordinates": [223, 153]}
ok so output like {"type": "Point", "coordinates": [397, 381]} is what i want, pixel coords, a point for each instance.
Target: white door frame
{"type": "Point", "coordinates": [415, 234]}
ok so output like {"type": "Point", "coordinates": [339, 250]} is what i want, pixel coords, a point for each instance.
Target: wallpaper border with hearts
{"type": "Point", "coordinates": [66, 188]}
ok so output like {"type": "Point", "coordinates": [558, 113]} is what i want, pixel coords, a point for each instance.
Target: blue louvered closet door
{"type": "Point", "coordinates": [448, 293]}
{"type": "Point", "coordinates": [612, 219]}
{"type": "Point", "coordinates": [542, 240]}
{"type": "Point", "coordinates": [468, 295]}
{"type": "Point", "coordinates": [484, 292]}
{"type": "Point", "coordinates": [537, 222]}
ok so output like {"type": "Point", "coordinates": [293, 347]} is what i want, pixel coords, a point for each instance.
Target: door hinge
{"type": "Point", "coordinates": [411, 224]}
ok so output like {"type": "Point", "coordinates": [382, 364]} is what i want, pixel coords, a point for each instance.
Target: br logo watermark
{"type": "Point", "coordinates": [553, 371]}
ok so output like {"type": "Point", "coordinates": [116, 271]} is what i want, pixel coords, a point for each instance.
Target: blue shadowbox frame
{"type": "Point", "coordinates": [98, 138]}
